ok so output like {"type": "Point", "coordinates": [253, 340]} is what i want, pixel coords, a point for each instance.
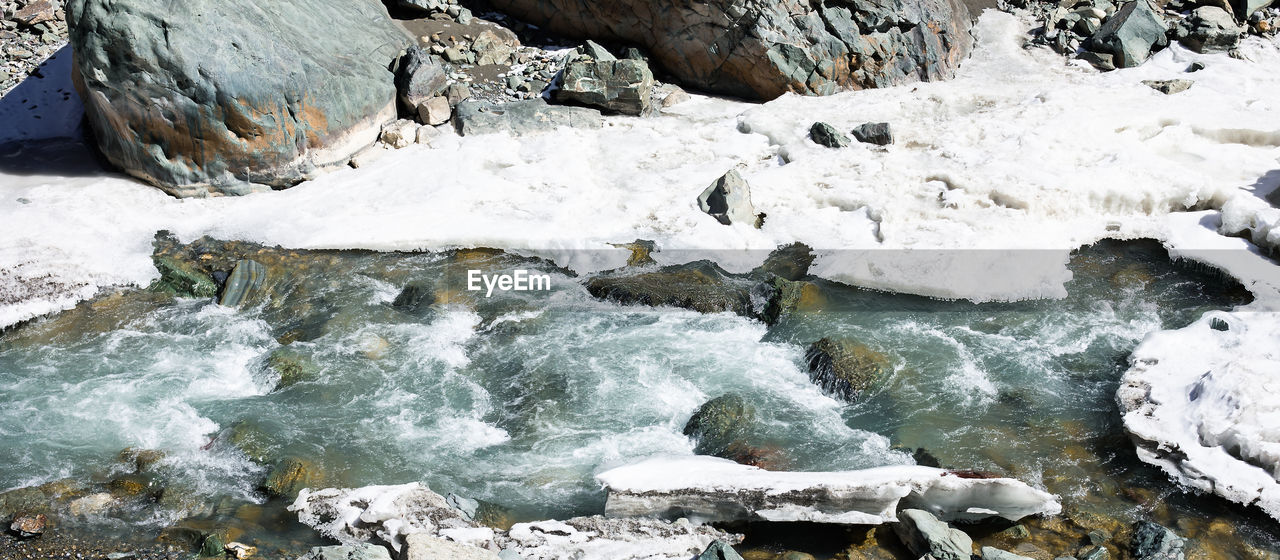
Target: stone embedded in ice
{"type": "Point", "coordinates": [708, 488]}
{"type": "Point", "coordinates": [601, 538]}
{"type": "Point", "coordinates": [384, 514]}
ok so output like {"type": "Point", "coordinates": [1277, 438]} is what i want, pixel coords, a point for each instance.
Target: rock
{"type": "Point", "coordinates": [827, 135]}
{"type": "Point", "coordinates": [846, 368]}
{"type": "Point", "coordinates": [420, 546]}
{"type": "Point", "coordinates": [719, 550]}
{"type": "Point", "coordinates": [989, 553]}
{"type": "Point", "coordinates": [92, 504]}
{"type": "Point", "coordinates": [132, 485]}
{"type": "Point", "coordinates": [1093, 553]}
{"type": "Point", "coordinates": [426, 134]}
{"type": "Point", "coordinates": [1246, 8]}
{"type": "Point", "coordinates": [673, 96]}
{"type": "Point", "coordinates": [520, 118]}
{"type": "Point", "coordinates": [291, 366]}
{"type": "Point", "coordinates": [1101, 61]}
{"type": "Point", "coordinates": [1208, 29]}
{"type": "Point", "coordinates": [399, 133]}
{"type": "Point", "coordinates": [291, 476]}
{"type": "Point", "coordinates": [789, 262]}
{"type": "Point", "coordinates": [595, 51]}
{"type": "Point", "coordinates": [717, 489]}
{"type": "Point", "coordinates": [181, 278]}
{"type": "Point", "coordinates": [1218, 324]}
{"type": "Point", "coordinates": [700, 285]}
{"type": "Point", "coordinates": [1169, 87]}
{"type": "Point", "coordinates": [20, 500]}
{"type": "Point", "coordinates": [345, 552]}
{"type": "Point", "coordinates": [457, 93]}
{"type": "Point", "coordinates": [28, 526]}
{"type": "Point", "coordinates": [611, 538]}
{"type": "Point", "coordinates": [142, 460]}
{"type": "Point", "coordinates": [761, 50]}
{"type": "Point", "coordinates": [383, 514]}
{"type": "Point", "coordinates": [1195, 67]}
{"type": "Point", "coordinates": [419, 78]}
{"type": "Point", "coordinates": [256, 444]}
{"type": "Point", "coordinates": [414, 296]}
{"type": "Point", "coordinates": [728, 200]}
{"type": "Point", "coordinates": [467, 506]}
{"type": "Point", "coordinates": [721, 426]}
{"type": "Point", "coordinates": [424, 6]}
{"type": "Point", "coordinates": [239, 551]}
{"type": "Point", "coordinates": [35, 13]}
{"type": "Point", "coordinates": [435, 111]}
{"type": "Point", "coordinates": [874, 133]}
{"type": "Point", "coordinates": [1155, 542]}
{"type": "Point", "coordinates": [641, 252]}
{"type": "Point", "coordinates": [925, 534]}
{"type": "Point", "coordinates": [1131, 34]}
{"type": "Point", "coordinates": [491, 49]}
{"type": "Point", "coordinates": [244, 284]}
{"type": "Point", "coordinates": [233, 96]}
{"type": "Point", "coordinates": [620, 86]}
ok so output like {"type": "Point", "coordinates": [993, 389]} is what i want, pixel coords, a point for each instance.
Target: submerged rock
{"type": "Point", "coordinates": [925, 535]}
{"type": "Point", "coordinates": [142, 460]}
{"type": "Point", "coordinates": [292, 367]}
{"type": "Point", "coordinates": [620, 86]}
{"type": "Point", "coordinates": [291, 476]}
{"type": "Point", "coordinates": [520, 118]}
{"type": "Point", "coordinates": [728, 200]}
{"type": "Point", "coordinates": [826, 135]}
{"type": "Point", "coordinates": [874, 133]}
{"type": "Point", "coordinates": [721, 490]}
{"type": "Point", "coordinates": [846, 368]}
{"type": "Point", "coordinates": [233, 96]}
{"type": "Point", "coordinates": [20, 500]}
{"type": "Point", "coordinates": [1155, 542]}
{"type": "Point", "coordinates": [761, 50]}
{"type": "Point", "coordinates": [1131, 34]}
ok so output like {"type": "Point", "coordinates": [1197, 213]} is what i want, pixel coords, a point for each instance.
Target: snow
{"type": "Point", "coordinates": [717, 489]}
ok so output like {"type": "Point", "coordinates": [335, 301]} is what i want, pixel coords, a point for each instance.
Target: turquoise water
{"type": "Point", "coordinates": [521, 398]}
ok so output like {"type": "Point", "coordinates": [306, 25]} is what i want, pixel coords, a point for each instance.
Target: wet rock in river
{"type": "Point", "coordinates": [132, 485]}
{"type": "Point", "coordinates": [721, 426]}
{"type": "Point", "coordinates": [19, 500]}
{"type": "Point", "coordinates": [259, 446]}
{"type": "Point", "coordinates": [700, 285]}
{"type": "Point", "coordinates": [93, 504]}
{"type": "Point", "coordinates": [846, 368]}
{"type": "Point", "coordinates": [291, 476]}
{"type": "Point", "coordinates": [789, 262]}
{"type": "Point", "coordinates": [292, 367]}
{"type": "Point", "coordinates": [1155, 542]}
{"type": "Point", "coordinates": [728, 200]}
{"type": "Point", "coordinates": [183, 279]}
{"type": "Point", "coordinates": [244, 284]}
{"type": "Point", "coordinates": [413, 296]}
{"type": "Point", "coordinates": [348, 552]}
{"type": "Point", "coordinates": [28, 526]}
{"type": "Point", "coordinates": [141, 460]}
{"type": "Point", "coordinates": [925, 534]}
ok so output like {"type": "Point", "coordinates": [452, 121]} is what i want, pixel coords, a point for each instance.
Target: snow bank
{"type": "Point", "coordinates": [709, 488]}
{"type": "Point", "coordinates": [1007, 168]}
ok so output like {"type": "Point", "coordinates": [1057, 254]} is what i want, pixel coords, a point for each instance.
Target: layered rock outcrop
{"type": "Point", "coordinates": [233, 96]}
{"type": "Point", "coordinates": [761, 50]}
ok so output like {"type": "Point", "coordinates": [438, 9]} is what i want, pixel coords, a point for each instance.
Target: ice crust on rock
{"type": "Point", "coordinates": [601, 538]}
{"type": "Point", "coordinates": [710, 488]}
{"type": "Point", "coordinates": [380, 514]}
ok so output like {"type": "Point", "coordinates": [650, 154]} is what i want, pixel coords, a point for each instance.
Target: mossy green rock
{"type": "Point", "coordinates": [290, 476]}
{"type": "Point", "coordinates": [251, 440]}
{"type": "Point", "coordinates": [846, 368]}
{"type": "Point", "coordinates": [720, 424]}
{"type": "Point", "coordinates": [183, 279]}
{"type": "Point", "coordinates": [292, 366]}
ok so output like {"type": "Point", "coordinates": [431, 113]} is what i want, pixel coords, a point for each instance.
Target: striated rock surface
{"type": "Point", "coordinates": [761, 50]}
{"type": "Point", "coordinates": [215, 97]}
{"type": "Point", "coordinates": [718, 489]}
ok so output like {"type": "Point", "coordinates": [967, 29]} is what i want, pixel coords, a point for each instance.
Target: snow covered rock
{"type": "Point", "coordinates": [601, 538]}
{"type": "Point", "coordinates": [233, 96]}
{"type": "Point", "coordinates": [382, 514]}
{"type": "Point", "coordinates": [925, 535]}
{"type": "Point", "coordinates": [1200, 403]}
{"type": "Point", "coordinates": [421, 546]}
{"type": "Point", "coordinates": [717, 489]}
{"type": "Point", "coordinates": [761, 50]}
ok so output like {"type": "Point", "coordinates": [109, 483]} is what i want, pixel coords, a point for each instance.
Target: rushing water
{"type": "Point", "coordinates": [519, 399]}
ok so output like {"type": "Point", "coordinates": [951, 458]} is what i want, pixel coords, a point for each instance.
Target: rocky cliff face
{"type": "Point", "coordinates": [761, 50]}
{"type": "Point", "coordinates": [232, 96]}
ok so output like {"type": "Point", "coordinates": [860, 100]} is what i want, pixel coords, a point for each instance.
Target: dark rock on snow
{"type": "Point", "coordinates": [521, 117]}
{"type": "Point", "coordinates": [619, 86]}
{"type": "Point", "coordinates": [761, 50]}
{"type": "Point", "coordinates": [874, 133]}
{"type": "Point", "coordinates": [846, 368]}
{"type": "Point", "coordinates": [728, 200]}
{"type": "Point", "coordinates": [1208, 29]}
{"type": "Point", "coordinates": [233, 96]}
{"type": "Point", "coordinates": [827, 135]}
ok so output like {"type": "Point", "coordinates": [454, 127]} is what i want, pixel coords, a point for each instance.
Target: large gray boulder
{"type": "Point", "coordinates": [520, 118]}
{"type": "Point", "coordinates": [620, 86]}
{"type": "Point", "coordinates": [761, 50]}
{"type": "Point", "coordinates": [925, 534]}
{"type": "Point", "coordinates": [1131, 34]}
{"type": "Point", "coordinates": [1208, 29]}
{"type": "Point", "coordinates": [205, 97]}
